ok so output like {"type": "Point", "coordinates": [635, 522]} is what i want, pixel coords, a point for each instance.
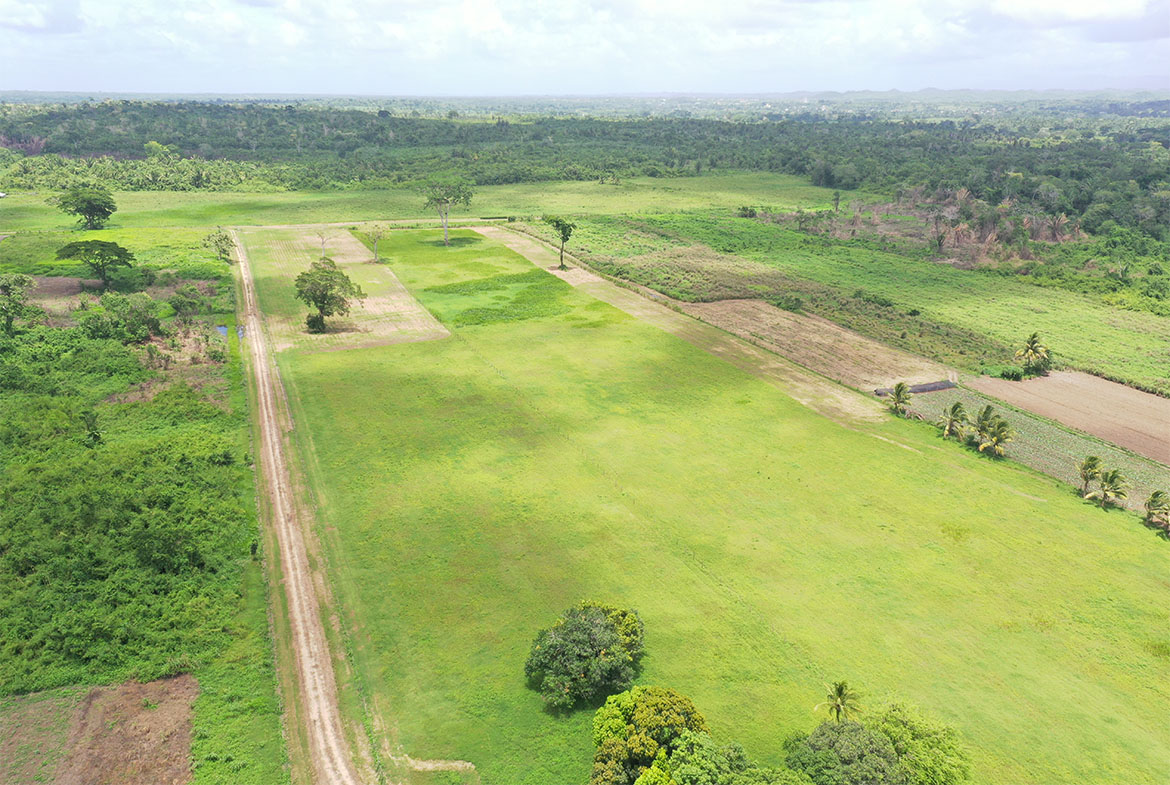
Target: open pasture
{"type": "Point", "coordinates": [555, 448]}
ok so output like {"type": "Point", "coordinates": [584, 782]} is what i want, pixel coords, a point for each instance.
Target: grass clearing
{"type": "Point", "coordinates": [474, 487]}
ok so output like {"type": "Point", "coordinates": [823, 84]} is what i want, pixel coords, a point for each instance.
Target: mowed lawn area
{"type": "Point", "coordinates": [554, 449]}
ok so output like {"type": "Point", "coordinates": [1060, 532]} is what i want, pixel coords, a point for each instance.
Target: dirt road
{"type": "Point", "coordinates": [332, 758]}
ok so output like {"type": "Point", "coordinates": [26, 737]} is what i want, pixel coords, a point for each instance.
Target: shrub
{"type": "Point", "coordinates": [590, 652]}
{"type": "Point", "coordinates": [1011, 373]}
{"type": "Point", "coordinates": [845, 753]}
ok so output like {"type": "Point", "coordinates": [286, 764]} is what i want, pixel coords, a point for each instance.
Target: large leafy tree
{"type": "Point", "coordinates": [100, 256]}
{"type": "Point", "coordinates": [14, 289]}
{"type": "Point", "coordinates": [929, 752]}
{"type": "Point", "coordinates": [1034, 355]}
{"type": "Point", "coordinates": [442, 195]}
{"type": "Point", "coordinates": [324, 287]}
{"type": "Point", "coordinates": [564, 229]}
{"type": "Point", "coordinates": [841, 700]}
{"type": "Point", "coordinates": [93, 205]}
{"type": "Point", "coordinates": [591, 652]}
{"type": "Point", "coordinates": [221, 243]}
{"type": "Point", "coordinates": [846, 753]}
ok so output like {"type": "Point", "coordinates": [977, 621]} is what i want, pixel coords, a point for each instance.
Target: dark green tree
{"type": "Point", "coordinates": [633, 727]}
{"type": "Point", "coordinates": [442, 195]}
{"type": "Point", "coordinates": [929, 752]}
{"type": "Point", "coordinates": [100, 256]}
{"type": "Point", "coordinates": [221, 243]}
{"type": "Point", "coordinates": [845, 753]}
{"type": "Point", "coordinates": [324, 287]}
{"type": "Point", "coordinates": [93, 205]}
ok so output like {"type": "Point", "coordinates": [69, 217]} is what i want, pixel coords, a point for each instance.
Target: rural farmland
{"type": "Point", "coordinates": [510, 393]}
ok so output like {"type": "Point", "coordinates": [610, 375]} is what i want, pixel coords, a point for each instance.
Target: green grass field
{"type": "Point", "coordinates": [554, 449]}
{"type": "Point", "coordinates": [153, 208]}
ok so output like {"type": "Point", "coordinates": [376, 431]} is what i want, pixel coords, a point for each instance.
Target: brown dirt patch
{"type": "Point", "coordinates": [127, 734]}
{"type": "Point", "coordinates": [1133, 419]}
{"type": "Point", "coordinates": [819, 344]}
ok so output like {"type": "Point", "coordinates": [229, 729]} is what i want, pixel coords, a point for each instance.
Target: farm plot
{"type": "Point", "coordinates": [388, 314]}
{"type": "Point", "coordinates": [819, 344]}
{"type": "Point", "coordinates": [1051, 448]}
{"type": "Point", "coordinates": [1122, 415]}
{"type": "Point", "coordinates": [556, 448]}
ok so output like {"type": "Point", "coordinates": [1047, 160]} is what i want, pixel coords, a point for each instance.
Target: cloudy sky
{"type": "Point", "coordinates": [513, 47]}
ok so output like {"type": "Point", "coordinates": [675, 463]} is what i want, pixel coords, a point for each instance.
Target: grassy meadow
{"type": "Point", "coordinates": [553, 449]}
{"type": "Point", "coordinates": [643, 194]}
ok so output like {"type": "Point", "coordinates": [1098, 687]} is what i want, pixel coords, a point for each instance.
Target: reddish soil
{"type": "Point", "coordinates": [1127, 417]}
{"type": "Point", "coordinates": [127, 734]}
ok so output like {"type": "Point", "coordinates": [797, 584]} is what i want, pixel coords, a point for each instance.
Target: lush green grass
{"type": "Point", "coordinates": [473, 487]}
{"type": "Point", "coordinates": [150, 208]}
{"type": "Point", "coordinates": [1083, 331]}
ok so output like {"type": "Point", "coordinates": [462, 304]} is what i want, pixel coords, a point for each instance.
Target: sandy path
{"type": "Point", "coordinates": [1133, 419]}
{"type": "Point", "coordinates": [331, 757]}
{"type": "Point", "coordinates": [820, 394]}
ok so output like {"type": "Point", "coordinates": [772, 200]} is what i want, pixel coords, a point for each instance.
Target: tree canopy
{"type": "Point", "coordinates": [14, 289]}
{"type": "Point", "coordinates": [442, 195]}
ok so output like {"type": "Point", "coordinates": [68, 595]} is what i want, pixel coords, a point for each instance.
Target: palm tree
{"type": "Point", "coordinates": [840, 701]}
{"type": "Point", "coordinates": [1090, 469]}
{"type": "Point", "coordinates": [984, 421]}
{"type": "Point", "coordinates": [1111, 488]}
{"type": "Point", "coordinates": [1034, 354]}
{"type": "Point", "coordinates": [1158, 510]}
{"type": "Point", "coordinates": [900, 397]}
{"type": "Point", "coordinates": [953, 420]}
{"type": "Point", "coordinates": [996, 436]}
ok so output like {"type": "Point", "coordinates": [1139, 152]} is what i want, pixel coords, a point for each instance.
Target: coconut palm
{"type": "Point", "coordinates": [983, 422]}
{"type": "Point", "coordinates": [1034, 354]}
{"type": "Point", "coordinates": [1158, 510]}
{"type": "Point", "coordinates": [1089, 469]}
{"type": "Point", "coordinates": [952, 420]}
{"type": "Point", "coordinates": [840, 700]}
{"type": "Point", "coordinates": [900, 397]}
{"type": "Point", "coordinates": [1111, 488]}
{"type": "Point", "coordinates": [996, 436]}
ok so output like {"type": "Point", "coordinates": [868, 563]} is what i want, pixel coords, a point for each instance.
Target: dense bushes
{"type": "Point", "coordinates": [124, 528]}
{"type": "Point", "coordinates": [590, 652]}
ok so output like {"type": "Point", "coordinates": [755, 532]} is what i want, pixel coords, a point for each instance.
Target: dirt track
{"type": "Point", "coordinates": [1127, 417]}
{"type": "Point", "coordinates": [331, 756]}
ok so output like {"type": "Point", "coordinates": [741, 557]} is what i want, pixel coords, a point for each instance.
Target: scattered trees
{"type": "Point", "coordinates": [93, 205]}
{"type": "Point", "coordinates": [221, 243]}
{"type": "Point", "coordinates": [900, 398]}
{"type": "Point", "coordinates": [442, 195]}
{"type": "Point", "coordinates": [376, 232]}
{"type": "Point", "coordinates": [1034, 355]}
{"type": "Point", "coordinates": [1157, 509]}
{"type": "Point", "coordinates": [14, 289]}
{"type": "Point", "coordinates": [1112, 488]}
{"type": "Point", "coordinates": [841, 701]}
{"type": "Point", "coordinates": [100, 256]}
{"type": "Point", "coordinates": [591, 652]}
{"type": "Point", "coordinates": [324, 287]}
{"type": "Point", "coordinates": [564, 229]}
{"type": "Point", "coordinates": [953, 420]}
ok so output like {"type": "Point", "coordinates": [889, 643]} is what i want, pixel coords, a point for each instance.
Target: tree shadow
{"type": "Point", "coordinates": [456, 242]}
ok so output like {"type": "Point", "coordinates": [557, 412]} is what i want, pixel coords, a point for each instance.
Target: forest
{"type": "Point", "coordinates": [1104, 164]}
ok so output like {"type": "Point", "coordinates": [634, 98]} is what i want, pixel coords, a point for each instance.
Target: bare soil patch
{"type": "Point", "coordinates": [127, 734]}
{"type": "Point", "coordinates": [1133, 419]}
{"type": "Point", "coordinates": [818, 344]}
